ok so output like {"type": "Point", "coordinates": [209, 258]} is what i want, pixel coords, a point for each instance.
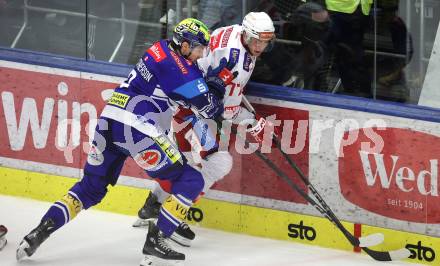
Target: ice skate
{"type": "Point", "coordinates": [3, 241]}
{"type": "Point", "coordinates": [156, 250]}
{"type": "Point", "coordinates": [149, 211]}
{"type": "Point", "coordinates": [183, 235]}
{"type": "Point", "coordinates": [33, 240]}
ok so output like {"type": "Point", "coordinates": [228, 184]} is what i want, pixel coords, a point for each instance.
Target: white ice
{"type": "Point", "coordinates": [101, 238]}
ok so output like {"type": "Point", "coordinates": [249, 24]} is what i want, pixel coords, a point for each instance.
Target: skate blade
{"type": "Point", "coordinates": [143, 222]}
{"type": "Point", "coordinates": [3, 243]}
{"type": "Point", "coordinates": [3, 231]}
{"type": "Point", "coordinates": [21, 253]}
{"type": "Point", "coordinates": [149, 260]}
{"type": "Point", "coordinates": [183, 241]}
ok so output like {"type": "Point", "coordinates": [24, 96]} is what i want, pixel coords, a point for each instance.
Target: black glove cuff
{"type": "Point", "coordinates": [216, 86]}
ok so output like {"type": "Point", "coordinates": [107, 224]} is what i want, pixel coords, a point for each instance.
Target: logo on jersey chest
{"type": "Point", "coordinates": [234, 55]}
{"type": "Point", "coordinates": [179, 63]}
{"type": "Point", "coordinates": [247, 62]}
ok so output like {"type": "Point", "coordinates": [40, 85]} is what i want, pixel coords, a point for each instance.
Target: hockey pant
{"type": "Point", "coordinates": [108, 152]}
{"type": "Point", "coordinates": [199, 142]}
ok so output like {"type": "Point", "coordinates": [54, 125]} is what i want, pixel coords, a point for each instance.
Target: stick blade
{"type": "Point", "coordinates": [393, 255]}
{"type": "Point", "coordinates": [400, 254]}
{"type": "Point", "coordinates": [371, 240]}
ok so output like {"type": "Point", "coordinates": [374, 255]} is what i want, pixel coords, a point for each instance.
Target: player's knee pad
{"type": "Point", "coordinates": [90, 190]}
{"type": "Point", "coordinates": [216, 166]}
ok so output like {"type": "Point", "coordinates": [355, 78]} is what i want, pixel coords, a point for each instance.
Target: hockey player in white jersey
{"type": "Point", "coordinates": [242, 44]}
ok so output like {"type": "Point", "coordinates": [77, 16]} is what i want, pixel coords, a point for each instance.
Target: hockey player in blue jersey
{"type": "Point", "coordinates": [134, 123]}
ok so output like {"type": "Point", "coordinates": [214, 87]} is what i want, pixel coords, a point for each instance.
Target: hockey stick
{"type": "Point", "coordinates": [324, 209]}
{"type": "Point", "coordinates": [370, 240]}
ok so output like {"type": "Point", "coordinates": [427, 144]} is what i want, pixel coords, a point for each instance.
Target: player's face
{"type": "Point", "coordinates": [256, 46]}
{"type": "Point", "coordinates": [196, 53]}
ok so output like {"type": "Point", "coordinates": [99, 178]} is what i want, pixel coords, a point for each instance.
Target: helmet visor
{"type": "Point", "coordinates": [266, 36]}
{"type": "Point", "coordinates": [259, 45]}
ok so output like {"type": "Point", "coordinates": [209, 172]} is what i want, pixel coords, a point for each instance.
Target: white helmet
{"type": "Point", "coordinates": [259, 26]}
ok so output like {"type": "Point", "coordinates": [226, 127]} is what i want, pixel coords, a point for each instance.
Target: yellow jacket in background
{"type": "Point", "coordinates": [349, 6]}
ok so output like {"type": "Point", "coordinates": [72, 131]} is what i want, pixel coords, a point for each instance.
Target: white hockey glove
{"type": "Point", "coordinates": [257, 131]}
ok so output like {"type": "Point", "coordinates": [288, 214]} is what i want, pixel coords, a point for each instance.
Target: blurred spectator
{"type": "Point", "coordinates": [2, 4]}
{"type": "Point", "coordinates": [349, 21]}
{"type": "Point", "coordinates": [391, 81]}
{"type": "Point", "coordinates": [305, 64]}
{"type": "Point", "coordinates": [312, 25]}
{"type": "Point", "coordinates": [219, 13]}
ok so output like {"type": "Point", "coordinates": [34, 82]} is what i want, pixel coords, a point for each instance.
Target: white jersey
{"type": "Point", "coordinates": [226, 42]}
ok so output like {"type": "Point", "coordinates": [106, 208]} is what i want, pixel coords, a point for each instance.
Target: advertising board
{"type": "Point", "coordinates": [370, 168]}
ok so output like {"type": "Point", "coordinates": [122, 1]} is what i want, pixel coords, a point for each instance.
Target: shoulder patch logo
{"type": "Point", "coordinates": [157, 52]}
{"type": "Point", "coordinates": [226, 37]}
{"type": "Point", "coordinates": [215, 41]}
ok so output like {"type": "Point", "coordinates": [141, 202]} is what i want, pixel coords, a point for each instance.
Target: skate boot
{"type": "Point", "coordinates": [183, 235]}
{"type": "Point", "coordinates": [157, 251]}
{"type": "Point", "coordinates": [33, 240]}
{"type": "Point", "coordinates": [3, 241]}
{"type": "Point", "coordinates": [150, 210]}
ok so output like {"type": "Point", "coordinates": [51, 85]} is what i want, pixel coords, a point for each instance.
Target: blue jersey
{"type": "Point", "coordinates": [160, 80]}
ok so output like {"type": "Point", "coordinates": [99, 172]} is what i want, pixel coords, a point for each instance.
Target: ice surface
{"type": "Point", "coordinates": [101, 238]}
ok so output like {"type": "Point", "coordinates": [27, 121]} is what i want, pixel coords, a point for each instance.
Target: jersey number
{"type": "Point", "coordinates": [233, 87]}
{"type": "Point", "coordinates": [130, 78]}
